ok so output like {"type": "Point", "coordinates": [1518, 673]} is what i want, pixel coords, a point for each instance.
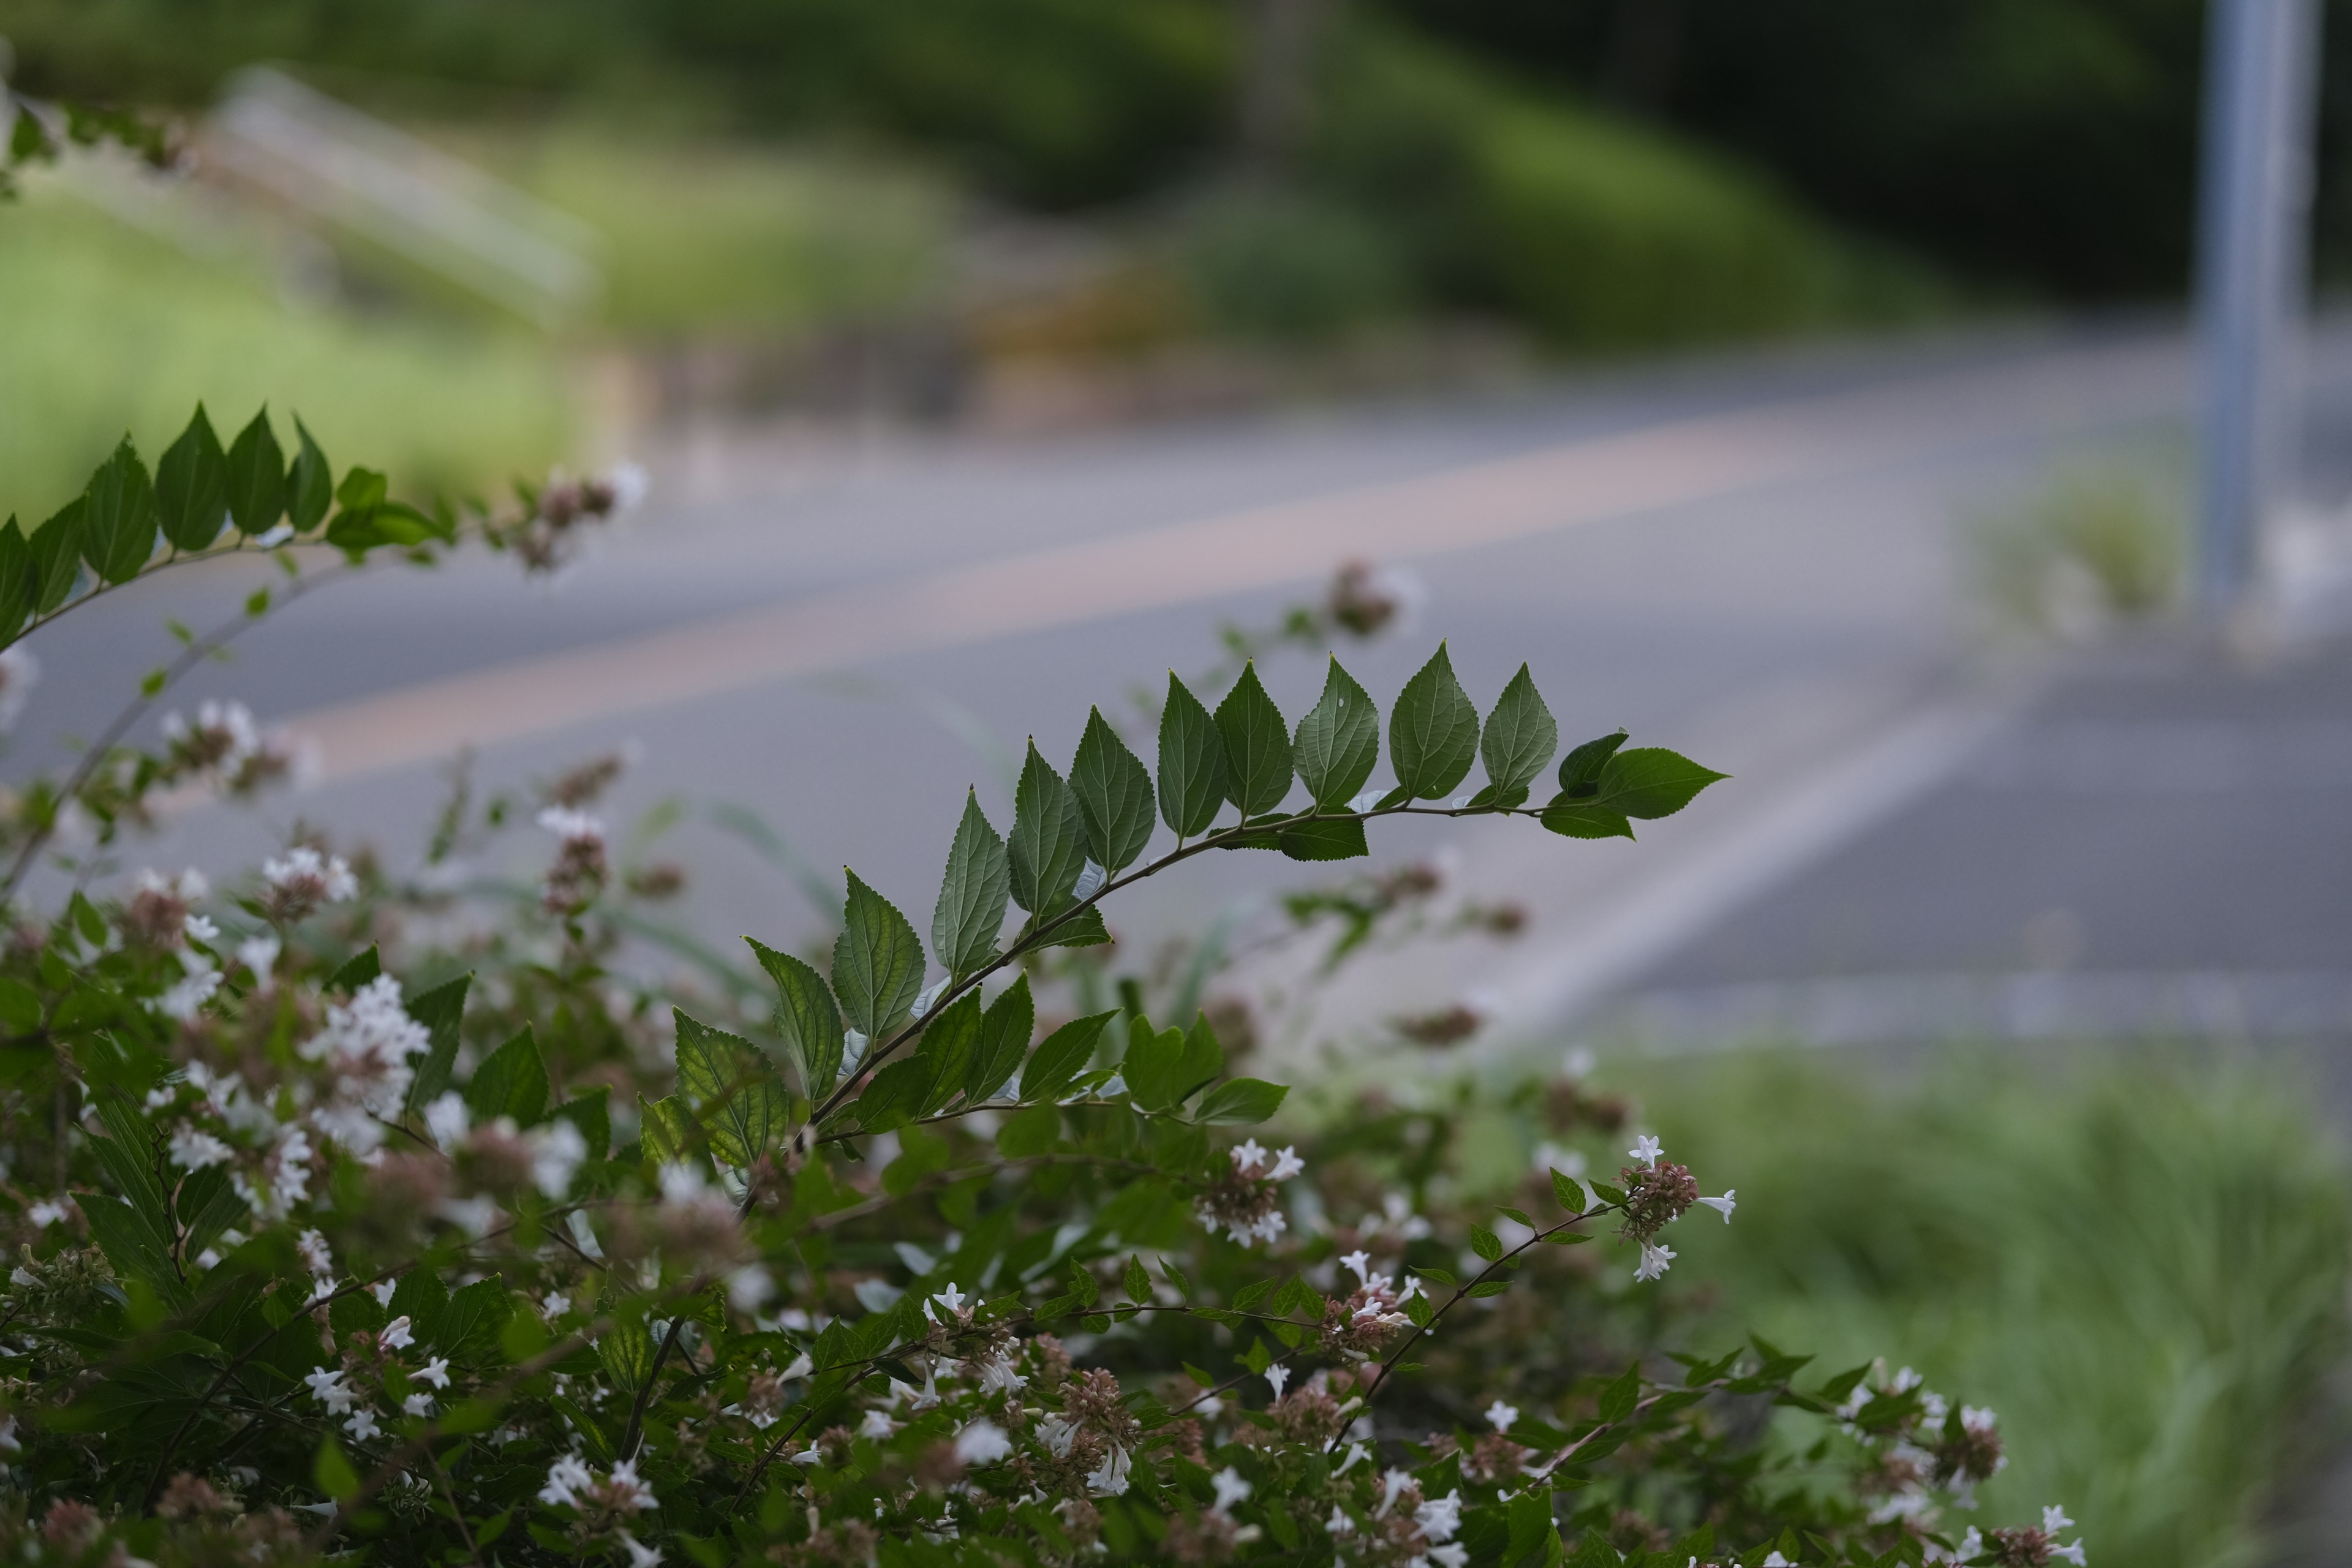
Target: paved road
{"type": "Point", "coordinates": [1751, 561]}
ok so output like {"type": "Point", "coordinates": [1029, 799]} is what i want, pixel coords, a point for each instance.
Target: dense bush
{"type": "Point", "coordinates": [346, 1220]}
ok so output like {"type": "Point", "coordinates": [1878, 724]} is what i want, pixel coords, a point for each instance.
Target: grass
{"type": "Point", "coordinates": [111, 329]}
{"type": "Point", "coordinates": [2097, 544]}
{"type": "Point", "coordinates": [2140, 1263]}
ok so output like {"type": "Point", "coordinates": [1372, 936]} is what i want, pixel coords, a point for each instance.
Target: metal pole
{"type": "Point", "coordinates": [2253, 246]}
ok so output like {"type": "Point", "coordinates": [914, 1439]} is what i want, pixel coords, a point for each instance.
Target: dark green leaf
{"type": "Point", "coordinates": [256, 478]}
{"type": "Point", "coordinates": [333, 1473]}
{"type": "Point", "coordinates": [1049, 846]}
{"type": "Point", "coordinates": [1241, 1101]}
{"type": "Point", "coordinates": [357, 970]}
{"type": "Point", "coordinates": [1003, 1039]}
{"type": "Point", "coordinates": [1484, 1243]}
{"type": "Point", "coordinates": [1580, 819]}
{"type": "Point", "coordinates": [1519, 738]}
{"type": "Point", "coordinates": [1651, 782]}
{"type": "Point", "coordinates": [1337, 839]}
{"type": "Point", "coordinates": [951, 1041]}
{"type": "Point", "coordinates": [310, 485]}
{"type": "Point", "coordinates": [192, 486]}
{"type": "Point", "coordinates": [20, 580]}
{"type": "Point", "coordinates": [593, 1114]}
{"type": "Point", "coordinates": [1579, 770]}
{"type": "Point", "coordinates": [878, 964]}
{"type": "Point", "coordinates": [1486, 1288]}
{"type": "Point", "coordinates": [440, 1010]}
{"type": "Point", "coordinates": [1569, 1195]}
{"type": "Point", "coordinates": [894, 1096]}
{"type": "Point", "coordinates": [738, 1096]}
{"type": "Point", "coordinates": [1032, 1130]}
{"type": "Point", "coordinates": [1257, 745]}
{"type": "Point", "coordinates": [1061, 1056]}
{"type": "Point", "coordinates": [1337, 743]}
{"type": "Point", "coordinates": [806, 1018]}
{"type": "Point", "coordinates": [513, 1082]}
{"type": "Point", "coordinates": [1114, 795]}
{"type": "Point", "coordinates": [57, 556]}
{"type": "Point", "coordinates": [1193, 768]}
{"type": "Point", "coordinates": [1072, 927]}
{"type": "Point", "coordinates": [1137, 1283]}
{"type": "Point", "coordinates": [1624, 1393]}
{"type": "Point", "coordinates": [118, 516]}
{"type": "Point", "coordinates": [971, 911]}
{"type": "Point", "coordinates": [1433, 730]}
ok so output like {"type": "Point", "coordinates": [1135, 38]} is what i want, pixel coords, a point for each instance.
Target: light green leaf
{"type": "Point", "coordinates": [1193, 768]}
{"type": "Point", "coordinates": [878, 962]}
{"type": "Point", "coordinates": [1114, 796]}
{"type": "Point", "coordinates": [1339, 741]}
{"type": "Point", "coordinates": [970, 912]}
{"type": "Point", "coordinates": [118, 516]}
{"type": "Point", "coordinates": [1048, 848]}
{"type": "Point", "coordinates": [256, 478]}
{"type": "Point", "coordinates": [1519, 738]}
{"type": "Point", "coordinates": [736, 1096]}
{"type": "Point", "coordinates": [1257, 745]}
{"type": "Point", "coordinates": [310, 484]}
{"type": "Point", "coordinates": [666, 1128]}
{"type": "Point", "coordinates": [1433, 731]}
{"type": "Point", "coordinates": [806, 1018]}
{"type": "Point", "coordinates": [1242, 1101]}
{"type": "Point", "coordinates": [192, 486]}
{"type": "Point", "coordinates": [1003, 1039]}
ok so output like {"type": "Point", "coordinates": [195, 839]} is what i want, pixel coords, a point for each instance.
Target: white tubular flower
{"type": "Point", "coordinates": [630, 1493]}
{"type": "Point", "coordinates": [185, 997]}
{"type": "Point", "coordinates": [1654, 1261]}
{"type": "Point", "coordinates": [557, 1151]}
{"type": "Point", "coordinates": [327, 1388]}
{"type": "Point", "coordinates": [395, 1334]}
{"type": "Point", "coordinates": [361, 1426]}
{"type": "Point", "coordinates": [2055, 1519]}
{"type": "Point", "coordinates": [1723, 1204]}
{"type": "Point", "coordinates": [2071, 1552]}
{"type": "Point", "coordinates": [1774, 1560]}
{"type": "Point", "coordinates": [554, 1304]}
{"type": "Point", "coordinates": [46, 1213]}
{"type": "Point", "coordinates": [640, 1554]}
{"type": "Point", "coordinates": [417, 1405]}
{"type": "Point", "coordinates": [193, 1149]}
{"type": "Point", "coordinates": [1391, 1482]}
{"type": "Point", "coordinates": [434, 1371]}
{"type": "Point", "coordinates": [952, 1299]}
{"type": "Point", "coordinates": [1645, 1149]}
{"type": "Point", "coordinates": [448, 1119]}
{"type": "Point", "coordinates": [1278, 1376]}
{"type": "Point", "coordinates": [1286, 1164]}
{"type": "Point", "coordinates": [259, 954]}
{"type": "Point", "coordinates": [749, 1288]}
{"type": "Point", "coordinates": [200, 928]}
{"type": "Point", "coordinates": [982, 1442]}
{"type": "Point", "coordinates": [313, 1245]}
{"type": "Point", "coordinates": [1440, 1518]}
{"type": "Point", "coordinates": [1246, 1154]}
{"type": "Point", "coordinates": [1231, 1488]}
{"type": "Point", "coordinates": [1977, 1419]}
{"type": "Point", "coordinates": [382, 1290]}
{"type": "Point", "coordinates": [1109, 1477]}
{"type": "Point", "coordinates": [1500, 1416]}
{"type": "Point", "coordinates": [565, 1479]}
{"type": "Point", "coordinates": [876, 1425]}
{"type": "Point", "coordinates": [1360, 1263]}
{"type": "Point", "coordinates": [1453, 1554]}
{"type": "Point", "coordinates": [1340, 1524]}
{"type": "Point", "coordinates": [1357, 1454]}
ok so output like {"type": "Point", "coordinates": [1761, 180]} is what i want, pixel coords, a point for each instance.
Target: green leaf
{"type": "Point", "coordinates": [57, 556]}
{"type": "Point", "coordinates": [1647, 782]}
{"type": "Point", "coordinates": [333, 1473]}
{"type": "Point", "coordinates": [20, 582]}
{"type": "Point", "coordinates": [1579, 819]}
{"type": "Point", "coordinates": [1624, 1393]}
{"type": "Point", "coordinates": [1165, 1068]}
{"type": "Point", "coordinates": [970, 912]}
{"type": "Point", "coordinates": [1433, 730]}
{"type": "Point", "coordinates": [20, 1007]}
{"type": "Point", "coordinates": [627, 1354]}
{"type": "Point", "coordinates": [513, 1082]}
{"type": "Point", "coordinates": [949, 1044]}
{"type": "Point", "coordinates": [1241, 1101]}
{"type": "Point", "coordinates": [310, 484]}
{"type": "Point", "coordinates": [1114, 794]}
{"type": "Point", "coordinates": [363, 489]}
{"type": "Point", "coordinates": [1137, 1283]}
{"type": "Point", "coordinates": [1193, 768]}
{"type": "Point", "coordinates": [878, 964]}
{"type": "Point", "coordinates": [1259, 1358]}
{"type": "Point", "coordinates": [1060, 1056]}
{"type": "Point", "coordinates": [739, 1098]}
{"type": "Point", "coordinates": [1338, 839]}
{"type": "Point", "coordinates": [1484, 1243]}
{"type": "Point", "coordinates": [357, 970]}
{"type": "Point", "coordinates": [1003, 1039]}
{"type": "Point", "coordinates": [1072, 927]}
{"type": "Point", "coordinates": [806, 1018]}
{"type": "Point", "coordinates": [1486, 1288]}
{"type": "Point", "coordinates": [118, 516]}
{"type": "Point", "coordinates": [894, 1096]}
{"type": "Point", "coordinates": [1567, 1193]}
{"type": "Point", "coordinates": [1519, 738]}
{"type": "Point", "coordinates": [666, 1129]}
{"type": "Point", "coordinates": [192, 486]}
{"type": "Point", "coordinates": [1031, 1131]}
{"type": "Point", "coordinates": [1048, 848]}
{"type": "Point", "coordinates": [256, 478]}
{"type": "Point", "coordinates": [1257, 745]}
{"type": "Point", "coordinates": [592, 1113]}
{"type": "Point", "coordinates": [441, 1010]}
{"type": "Point", "coordinates": [1579, 770]}
{"type": "Point", "coordinates": [1337, 743]}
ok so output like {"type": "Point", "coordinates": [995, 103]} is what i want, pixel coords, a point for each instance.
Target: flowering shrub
{"type": "Point", "coordinates": [334, 1236]}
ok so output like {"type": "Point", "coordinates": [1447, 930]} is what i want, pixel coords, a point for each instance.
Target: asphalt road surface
{"type": "Point", "coordinates": [1752, 561]}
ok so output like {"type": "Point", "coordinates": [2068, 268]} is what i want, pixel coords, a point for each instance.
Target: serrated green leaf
{"type": "Point", "coordinates": [1031, 1131]}
{"type": "Point", "coordinates": [1005, 1031]}
{"type": "Point", "coordinates": [1651, 781]}
{"type": "Point", "coordinates": [1048, 848]}
{"type": "Point", "coordinates": [1623, 1394]}
{"type": "Point", "coordinates": [310, 484]}
{"type": "Point", "coordinates": [1337, 743]}
{"type": "Point", "coordinates": [878, 964]}
{"type": "Point", "coordinates": [949, 1043]}
{"type": "Point", "coordinates": [894, 1096]}
{"type": "Point", "coordinates": [256, 478]}
{"type": "Point", "coordinates": [736, 1096]}
{"type": "Point", "coordinates": [806, 1018]}
{"type": "Point", "coordinates": [1242, 1101]}
{"type": "Point", "coordinates": [118, 516]}
{"type": "Point", "coordinates": [1338, 839]}
{"type": "Point", "coordinates": [666, 1129]}
{"type": "Point", "coordinates": [1137, 1283]}
{"type": "Point", "coordinates": [1433, 730]}
{"type": "Point", "coordinates": [192, 486]}
{"type": "Point", "coordinates": [1519, 737]}
{"type": "Point", "coordinates": [1193, 768]}
{"type": "Point", "coordinates": [1579, 770]}
{"type": "Point", "coordinates": [1580, 819]}
{"type": "Point", "coordinates": [1060, 1056]}
{"type": "Point", "coordinates": [971, 911]}
{"type": "Point", "coordinates": [441, 1010]}
{"type": "Point", "coordinates": [1259, 1358]}
{"type": "Point", "coordinates": [1072, 927]}
{"type": "Point", "coordinates": [1114, 794]}
{"type": "Point", "coordinates": [512, 1083]}
{"type": "Point", "coordinates": [57, 556]}
{"type": "Point", "coordinates": [1257, 745]}
{"type": "Point", "coordinates": [1484, 1243]}
{"type": "Point", "coordinates": [19, 580]}
{"type": "Point", "coordinates": [1567, 1193]}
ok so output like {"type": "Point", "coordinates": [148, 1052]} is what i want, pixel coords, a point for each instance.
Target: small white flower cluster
{"type": "Point", "coordinates": [368, 1044]}
{"type": "Point", "coordinates": [571, 1484]}
{"type": "Point", "coordinates": [301, 880]}
{"type": "Point", "coordinates": [1244, 1206]}
{"type": "Point", "coordinates": [1656, 1258]}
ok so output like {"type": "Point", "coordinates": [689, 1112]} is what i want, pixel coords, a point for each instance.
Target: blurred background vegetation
{"type": "Point", "coordinates": [885, 204]}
